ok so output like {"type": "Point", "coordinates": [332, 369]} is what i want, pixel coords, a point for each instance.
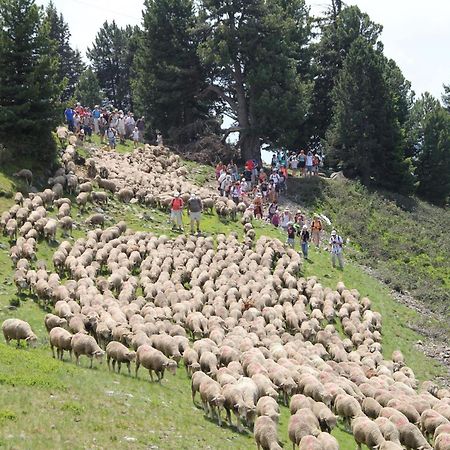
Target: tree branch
{"type": "Point", "coordinates": [221, 94]}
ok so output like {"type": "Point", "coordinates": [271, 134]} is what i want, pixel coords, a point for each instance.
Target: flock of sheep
{"type": "Point", "coordinates": [249, 332]}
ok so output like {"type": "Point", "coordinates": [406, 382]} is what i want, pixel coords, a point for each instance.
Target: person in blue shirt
{"type": "Point", "coordinates": [95, 116]}
{"type": "Point", "coordinates": [68, 114]}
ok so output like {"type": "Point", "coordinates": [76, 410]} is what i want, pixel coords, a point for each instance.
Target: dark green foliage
{"type": "Point", "coordinates": [339, 29]}
{"type": "Point", "coordinates": [169, 77]}
{"type": "Point", "coordinates": [87, 91]}
{"type": "Point", "coordinates": [70, 63]}
{"type": "Point", "coordinates": [255, 52]}
{"type": "Point", "coordinates": [28, 80]}
{"type": "Point", "coordinates": [111, 55]}
{"type": "Point", "coordinates": [365, 137]}
{"type": "Point", "coordinates": [446, 96]}
{"type": "Point", "coordinates": [433, 166]}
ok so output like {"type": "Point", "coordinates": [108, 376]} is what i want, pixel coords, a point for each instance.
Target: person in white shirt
{"type": "Point", "coordinates": [336, 243]}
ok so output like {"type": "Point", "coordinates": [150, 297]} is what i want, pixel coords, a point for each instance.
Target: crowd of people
{"type": "Point", "coordinates": [111, 124]}
{"type": "Point", "coordinates": [302, 163]}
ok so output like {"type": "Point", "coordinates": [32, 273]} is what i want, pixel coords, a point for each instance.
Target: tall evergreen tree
{"type": "Point", "coordinates": [256, 52]}
{"type": "Point", "coordinates": [446, 96]}
{"type": "Point", "coordinates": [111, 56]}
{"type": "Point", "coordinates": [28, 79]}
{"type": "Point", "coordinates": [433, 168]}
{"type": "Point", "coordinates": [339, 29]}
{"type": "Point", "coordinates": [169, 76]}
{"type": "Point", "coordinates": [70, 62]}
{"type": "Point", "coordinates": [87, 91]}
{"type": "Point", "coordinates": [365, 136]}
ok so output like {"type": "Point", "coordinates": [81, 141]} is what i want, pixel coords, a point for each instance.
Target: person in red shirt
{"type": "Point", "coordinates": [176, 211]}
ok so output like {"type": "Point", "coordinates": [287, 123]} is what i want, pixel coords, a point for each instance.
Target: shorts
{"type": "Point", "coordinates": [176, 216]}
{"type": "Point", "coordinates": [195, 215]}
{"type": "Point", "coordinates": [309, 168]}
{"type": "Point", "coordinates": [301, 164]}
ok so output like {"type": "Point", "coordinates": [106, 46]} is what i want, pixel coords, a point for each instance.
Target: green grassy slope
{"type": "Point", "coordinates": [50, 404]}
{"type": "Point", "coordinates": [405, 240]}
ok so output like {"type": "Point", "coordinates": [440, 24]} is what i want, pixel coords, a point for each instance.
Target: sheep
{"type": "Point", "coordinates": [212, 398]}
{"type": "Point", "coordinates": [50, 229]}
{"type": "Point", "coordinates": [267, 406]}
{"type": "Point", "coordinates": [99, 197]}
{"type": "Point", "coordinates": [442, 442]}
{"type": "Point", "coordinates": [412, 438]}
{"type": "Point", "coordinates": [18, 330]}
{"type": "Point", "coordinates": [309, 443]}
{"type": "Point", "coordinates": [83, 344]}
{"type": "Point", "coordinates": [327, 419]}
{"type": "Point", "coordinates": [265, 434]}
{"type": "Point", "coordinates": [371, 407]}
{"type": "Point", "coordinates": [120, 354]}
{"type": "Point", "coordinates": [301, 424]}
{"type": "Point", "coordinates": [327, 441]}
{"type": "Point", "coordinates": [154, 361]}
{"type": "Point", "coordinates": [208, 363]}
{"type": "Point", "coordinates": [82, 199]}
{"type": "Point", "coordinates": [365, 431]}
{"type": "Point", "coordinates": [125, 195]}
{"type": "Point", "coordinates": [388, 429]}
{"type": "Point", "coordinates": [62, 340]}
{"type": "Point", "coordinates": [347, 407]}
{"type": "Point", "coordinates": [52, 321]}
{"type": "Point", "coordinates": [26, 174]}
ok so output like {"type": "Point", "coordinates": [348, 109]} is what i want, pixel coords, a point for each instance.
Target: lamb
{"type": "Point", "coordinates": [301, 424]}
{"type": "Point", "coordinates": [51, 321]}
{"type": "Point", "coordinates": [83, 344]}
{"type": "Point", "coordinates": [154, 361]}
{"type": "Point", "coordinates": [120, 354]}
{"type": "Point", "coordinates": [96, 219]}
{"type": "Point", "coordinates": [366, 432]}
{"type": "Point", "coordinates": [267, 406]}
{"type": "Point", "coordinates": [62, 340]}
{"type": "Point", "coordinates": [190, 357]}
{"type": "Point", "coordinates": [26, 174]}
{"type": "Point", "coordinates": [265, 433]}
{"type": "Point", "coordinates": [18, 330]}
{"type": "Point", "coordinates": [412, 438]}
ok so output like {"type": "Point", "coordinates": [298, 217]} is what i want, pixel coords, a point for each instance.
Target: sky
{"type": "Point", "coordinates": [416, 34]}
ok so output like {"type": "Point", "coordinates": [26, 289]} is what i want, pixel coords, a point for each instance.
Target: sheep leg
{"type": "Point", "coordinates": [18, 343]}
{"type": "Point", "coordinates": [118, 366]}
{"type": "Point", "coordinates": [137, 368]}
{"type": "Point", "coordinates": [108, 361]}
{"type": "Point", "coordinates": [91, 358]}
{"type": "Point", "coordinates": [129, 368]}
{"type": "Point", "coordinates": [77, 359]}
{"type": "Point", "coordinates": [151, 374]}
{"type": "Point", "coordinates": [53, 351]}
{"type": "Point", "coordinates": [218, 416]}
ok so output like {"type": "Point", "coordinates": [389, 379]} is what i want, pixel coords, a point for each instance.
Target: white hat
{"type": "Point", "coordinates": [176, 194]}
{"type": "Point", "coordinates": [333, 233]}
{"type": "Point", "coordinates": [305, 227]}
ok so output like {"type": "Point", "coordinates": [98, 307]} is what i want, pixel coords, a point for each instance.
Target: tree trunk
{"type": "Point", "coordinates": [250, 147]}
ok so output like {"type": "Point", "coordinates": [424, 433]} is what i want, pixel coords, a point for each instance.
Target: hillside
{"type": "Point", "coordinates": [47, 404]}
{"type": "Point", "coordinates": [403, 240]}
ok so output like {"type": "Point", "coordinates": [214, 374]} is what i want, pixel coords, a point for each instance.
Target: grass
{"type": "Point", "coordinates": [50, 404]}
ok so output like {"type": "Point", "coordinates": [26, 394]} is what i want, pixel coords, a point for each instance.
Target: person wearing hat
{"type": "Point", "coordinates": [316, 228]}
{"type": "Point", "coordinates": [336, 243]}
{"type": "Point", "coordinates": [285, 219]}
{"type": "Point", "coordinates": [304, 240]}
{"type": "Point", "coordinates": [258, 201]}
{"type": "Point", "coordinates": [290, 230]}
{"type": "Point", "coordinates": [195, 207]}
{"type": "Point", "coordinates": [176, 211]}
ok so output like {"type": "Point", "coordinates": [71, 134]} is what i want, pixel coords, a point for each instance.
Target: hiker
{"type": "Point", "coordinates": [96, 116]}
{"type": "Point", "coordinates": [285, 219]}
{"type": "Point", "coordinates": [69, 115]}
{"type": "Point", "coordinates": [195, 208]}
{"type": "Point", "coordinates": [316, 228]}
{"type": "Point", "coordinates": [135, 136]}
{"type": "Point", "coordinates": [257, 202]}
{"type": "Point", "coordinates": [236, 192]}
{"type": "Point", "coordinates": [110, 135]}
{"type": "Point", "coordinates": [302, 162]}
{"type": "Point", "coordinates": [140, 123]}
{"type": "Point", "coordinates": [176, 211]}
{"type": "Point", "coordinates": [290, 230]}
{"type": "Point", "coordinates": [316, 163]}
{"type": "Point", "coordinates": [336, 242]}
{"type": "Point", "coordinates": [304, 241]}
{"type": "Point", "coordinates": [309, 163]}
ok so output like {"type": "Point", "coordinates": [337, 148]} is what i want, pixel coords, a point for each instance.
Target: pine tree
{"type": "Point", "coordinates": [168, 74]}
{"type": "Point", "coordinates": [365, 136]}
{"type": "Point", "coordinates": [87, 91]}
{"type": "Point", "coordinates": [446, 97]}
{"type": "Point", "coordinates": [433, 168]}
{"type": "Point", "coordinates": [111, 55]}
{"type": "Point", "coordinates": [28, 84]}
{"type": "Point", "coordinates": [338, 30]}
{"type": "Point", "coordinates": [255, 52]}
{"type": "Point", "coordinates": [70, 62]}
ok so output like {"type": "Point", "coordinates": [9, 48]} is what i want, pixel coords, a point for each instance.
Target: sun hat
{"type": "Point", "coordinates": [176, 194]}
{"type": "Point", "coordinates": [333, 233]}
{"type": "Point", "coordinates": [305, 227]}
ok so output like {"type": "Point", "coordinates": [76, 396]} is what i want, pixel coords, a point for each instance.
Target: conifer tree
{"type": "Point", "coordinates": [87, 91]}
{"type": "Point", "coordinates": [28, 80]}
{"type": "Point", "coordinates": [433, 167]}
{"type": "Point", "coordinates": [70, 62]}
{"type": "Point", "coordinates": [365, 137]}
